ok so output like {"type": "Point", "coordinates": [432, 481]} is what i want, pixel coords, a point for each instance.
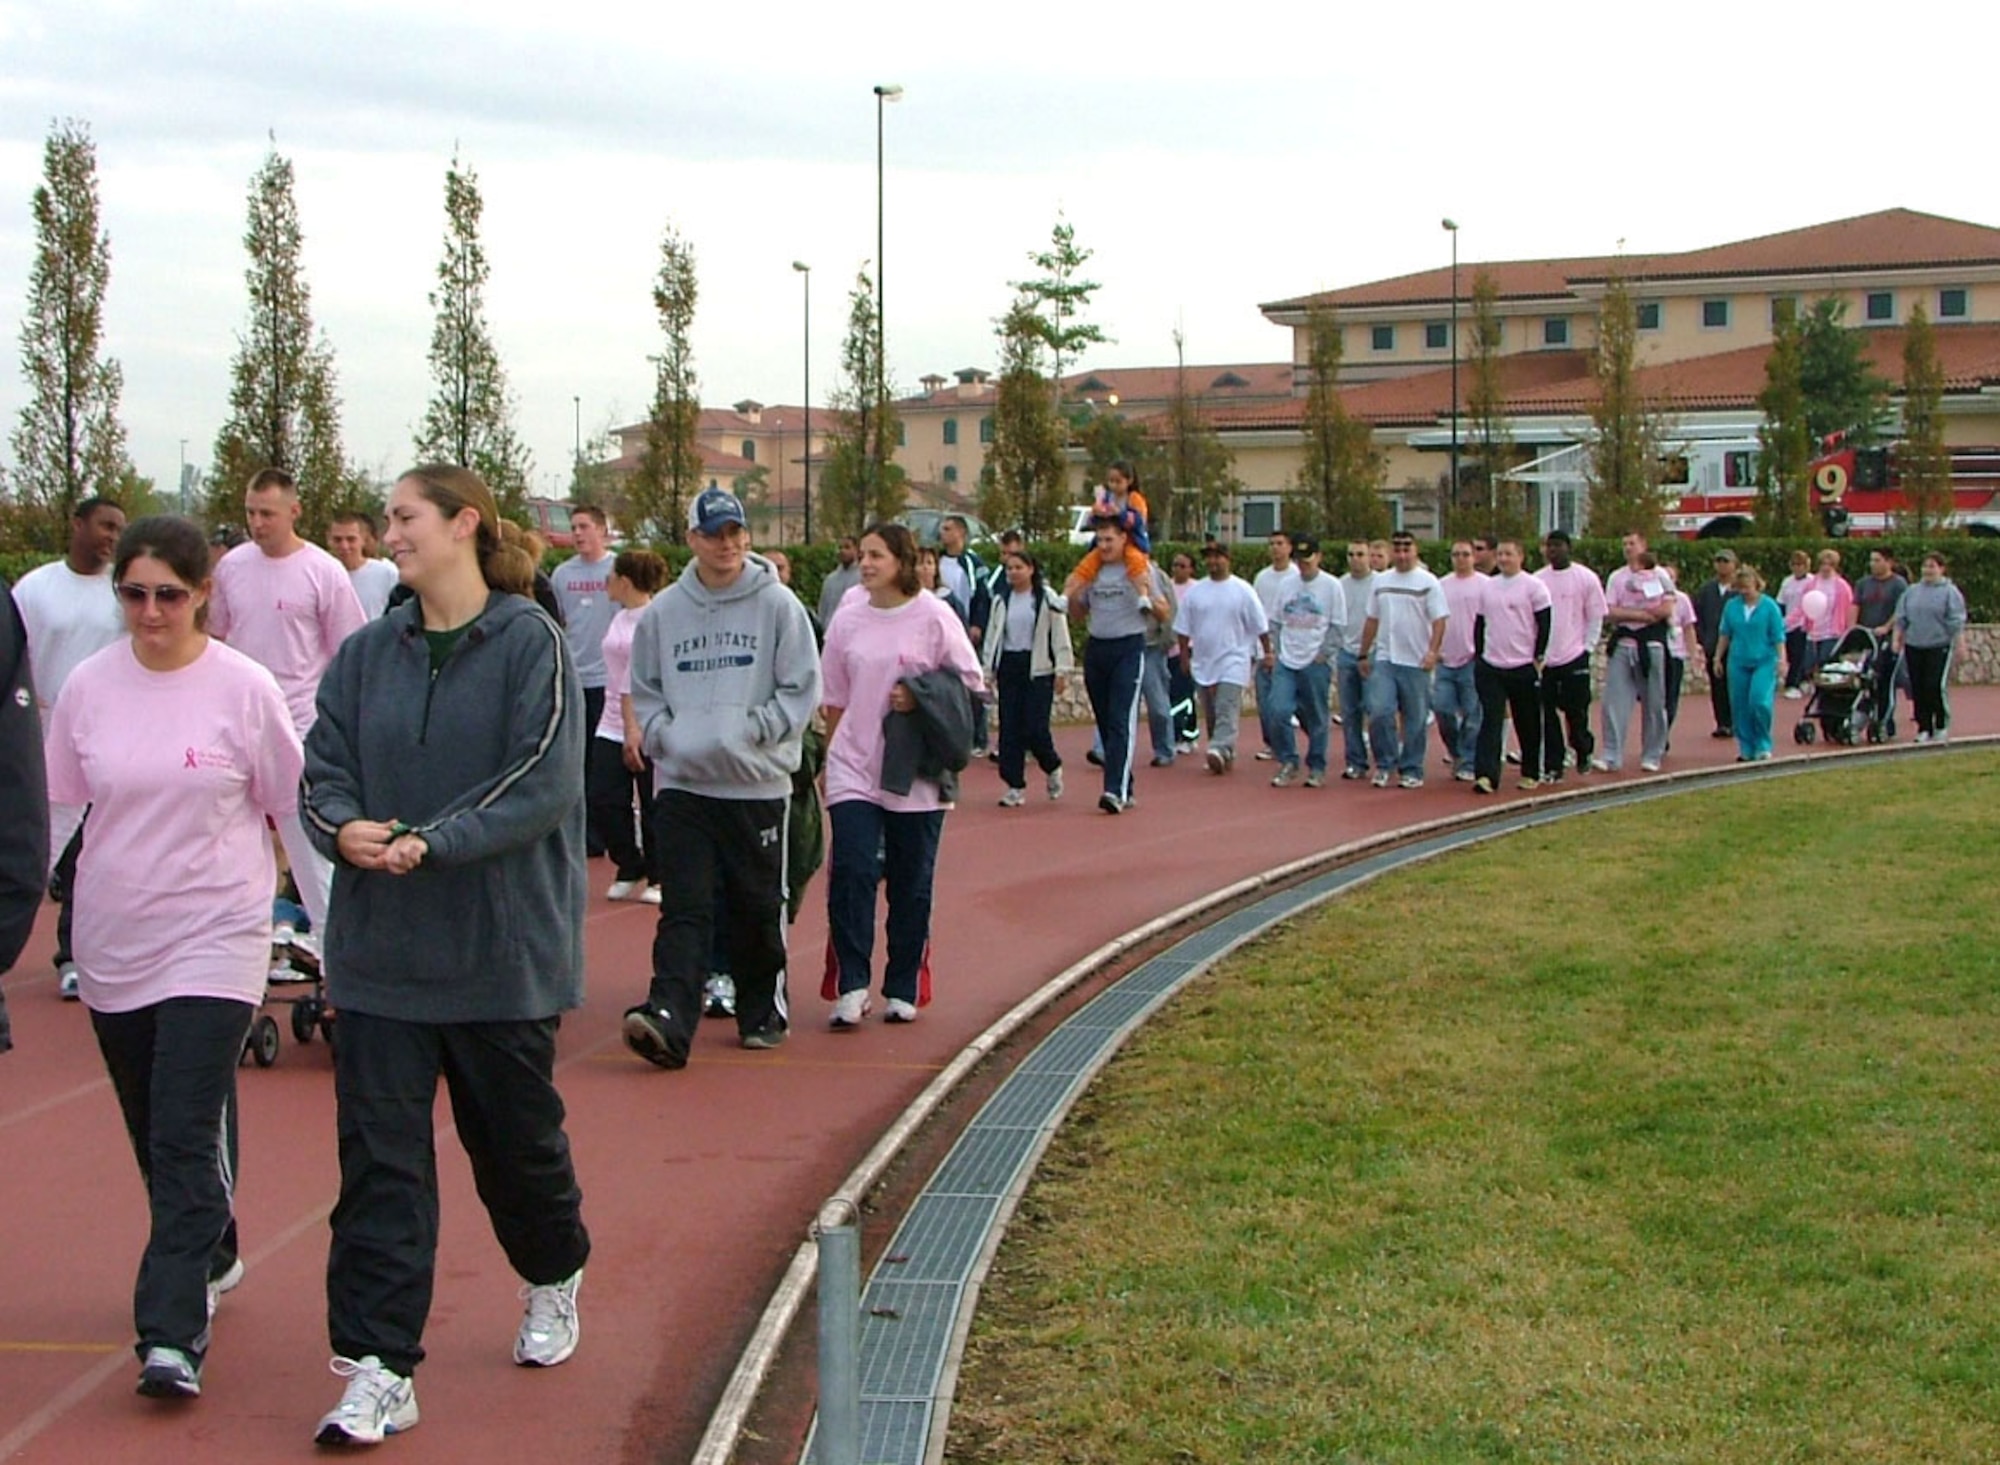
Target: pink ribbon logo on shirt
{"type": "Point", "coordinates": [190, 759]}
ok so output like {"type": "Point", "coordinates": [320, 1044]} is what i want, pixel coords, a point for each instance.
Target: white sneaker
{"type": "Point", "coordinates": [66, 987]}
{"type": "Point", "coordinates": [624, 890]}
{"type": "Point", "coordinates": [1792, 694]}
{"type": "Point", "coordinates": [168, 1373]}
{"type": "Point", "coordinates": [377, 1404]}
{"type": "Point", "coordinates": [1649, 765]}
{"type": "Point", "coordinates": [851, 1008]}
{"type": "Point", "coordinates": [549, 1331]}
{"type": "Point", "coordinates": [1055, 783]}
{"type": "Point", "coordinates": [1013, 798]}
{"type": "Point", "coordinates": [1383, 778]}
{"type": "Point", "coordinates": [897, 1010]}
{"type": "Point", "coordinates": [718, 995]}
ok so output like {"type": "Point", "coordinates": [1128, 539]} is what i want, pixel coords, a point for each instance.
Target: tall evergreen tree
{"type": "Point", "coordinates": [1843, 393]}
{"type": "Point", "coordinates": [670, 467]}
{"type": "Point", "coordinates": [1784, 500]}
{"type": "Point", "coordinates": [1025, 480]}
{"type": "Point", "coordinates": [1500, 507]}
{"type": "Point", "coordinates": [1056, 299]}
{"type": "Point", "coordinates": [1924, 460]}
{"type": "Point", "coordinates": [1338, 493]}
{"type": "Point", "coordinates": [470, 419]}
{"type": "Point", "coordinates": [860, 481]}
{"type": "Point", "coordinates": [284, 409]}
{"type": "Point", "coordinates": [68, 443]}
{"type": "Point", "coordinates": [1624, 458]}
{"type": "Point", "coordinates": [1200, 468]}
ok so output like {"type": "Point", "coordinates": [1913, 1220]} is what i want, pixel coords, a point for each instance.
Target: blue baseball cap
{"type": "Point", "coordinates": [714, 509]}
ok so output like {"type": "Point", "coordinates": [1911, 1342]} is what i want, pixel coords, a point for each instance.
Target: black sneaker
{"type": "Point", "coordinates": [771, 1035]}
{"type": "Point", "coordinates": [169, 1373]}
{"type": "Point", "coordinates": [1094, 758]}
{"type": "Point", "coordinates": [649, 1033]}
{"type": "Point", "coordinates": [1110, 804]}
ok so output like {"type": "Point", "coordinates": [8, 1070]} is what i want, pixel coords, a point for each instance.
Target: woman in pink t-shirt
{"type": "Point", "coordinates": [182, 747]}
{"type": "Point", "coordinates": [617, 769]}
{"type": "Point", "coordinates": [889, 629]}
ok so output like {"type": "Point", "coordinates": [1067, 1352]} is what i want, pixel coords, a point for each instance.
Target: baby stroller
{"type": "Point", "coordinates": [295, 981]}
{"type": "Point", "coordinates": [1852, 693]}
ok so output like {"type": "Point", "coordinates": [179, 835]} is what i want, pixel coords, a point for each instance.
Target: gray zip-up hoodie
{"type": "Point", "coordinates": [1931, 613]}
{"type": "Point", "coordinates": [485, 760]}
{"type": "Point", "coordinates": [724, 683]}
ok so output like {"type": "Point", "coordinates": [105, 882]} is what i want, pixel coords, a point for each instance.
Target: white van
{"type": "Point", "coordinates": [1080, 531]}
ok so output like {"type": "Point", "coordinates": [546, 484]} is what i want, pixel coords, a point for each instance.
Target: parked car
{"type": "Point", "coordinates": [550, 519]}
{"type": "Point", "coordinates": [1080, 531]}
{"type": "Point", "coordinates": [928, 524]}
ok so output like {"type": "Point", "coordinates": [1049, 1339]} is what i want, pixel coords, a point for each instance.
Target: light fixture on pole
{"type": "Point", "coordinates": [883, 94]}
{"type": "Point", "coordinates": [806, 270]}
{"type": "Point", "coordinates": [1451, 228]}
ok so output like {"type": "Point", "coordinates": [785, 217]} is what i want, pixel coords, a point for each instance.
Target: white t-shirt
{"type": "Point", "coordinates": [1310, 619]}
{"type": "Point", "coordinates": [372, 584]}
{"type": "Point", "coordinates": [1270, 584]}
{"type": "Point", "coordinates": [70, 617]}
{"type": "Point", "coordinates": [288, 613]}
{"type": "Point", "coordinates": [1222, 620]}
{"type": "Point", "coordinates": [1403, 604]}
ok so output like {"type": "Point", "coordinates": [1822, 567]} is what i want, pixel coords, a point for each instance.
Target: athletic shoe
{"type": "Point", "coordinates": [1649, 765]}
{"type": "Point", "coordinates": [1923, 737]}
{"type": "Point", "coordinates": [980, 754]}
{"type": "Point", "coordinates": [1942, 735]}
{"type": "Point", "coordinates": [1013, 798]}
{"type": "Point", "coordinates": [1055, 782]}
{"type": "Point", "coordinates": [1265, 755]}
{"type": "Point", "coordinates": [1463, 775]}
{"type": "Point", "coordinates": [549, 1329]}
{"type": "Point", "coordinates": [1792, 694]}
{"type": "Point", "coordinates": [1552, 779]}
{"type": "Point", "coordinates": [851, 1008]}
{"type": "Point", "coordinates": [1383, 778]}
{"type": "Point", "coordinates": [377, 1404]}
{"type": "Point", "coordinates": [625, 889]}
{"type": "Point", "coordinates": [1188, 746]}
{"type": "Point", "coordinates": [1111, 804]}
{"type": "Point", "coordinates": [647, 1033]}
{"type": "Point", "coordinates": [897, 1010]}
{"type": "Point", "coordinates": [1315, 780]}
{"type": "Point", "coordinates": [719, 995]}
{"type": "Point", "coordinates": [1216, 762]}
{"type": "Point", "coordinates": [1598, 765]}
{"type": "Point", "coordinates": [650, 895]}
{"type": "Point", "coordinates": [771, 1035]}
{"type": "Point", "coordinates": [1510, 756]}
{"type": "Point", "coordinates": [1412, 780]}
{"type": "Point", "coordinates": [1163, 760]}
{"type": "Point", "coordinates": [1528, 785]}
{"type": "Point", "coordinates": [66, 987]}
{"type": "Point", "coordinates": [1094, 758]}
{"type": "Point", "coordinates": [1353, 774]}
{"type": "Point", "coordinates": [169, 1373]}
{"type": "Point", "coordinates": [1482, 785]}
{"type": "Point", "coordinates": [227, 1282]}
{"type": "Point", "coordinates": [1286, 776]}
{"type": "Point", "coordinates": [1723, 732]}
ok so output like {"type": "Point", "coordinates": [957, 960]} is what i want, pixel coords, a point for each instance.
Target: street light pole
{"type": "Point", "coordinates": [806, 271]}
{"type": "Point", "coordinates": [576, 464]}
{"type": "Point", "coordinates": [1451, 228]}
{"type": "Point", "coordinates": [184, 477]}
{"type": "Point", "coordinates": [883, 94]}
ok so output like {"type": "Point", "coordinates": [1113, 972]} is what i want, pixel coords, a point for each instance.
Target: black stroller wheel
{"type": "Point", "coordinates": [263, 1040]}
{"type": "Point", "coordinates": [1804, 733]}
{"type": "Point", "coordinates": [305, 1018]}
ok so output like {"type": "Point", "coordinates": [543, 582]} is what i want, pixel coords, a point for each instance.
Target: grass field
{"type": "Point", "coordinates": [1669, 1134]}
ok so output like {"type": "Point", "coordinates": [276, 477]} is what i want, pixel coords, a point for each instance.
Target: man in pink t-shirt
{"type": "Point", "coordinates": [286, 604]}
{"type": "Point", "coordinates": [1576, 600]}
{"type": "Point", "coordinates": [1511, 635]}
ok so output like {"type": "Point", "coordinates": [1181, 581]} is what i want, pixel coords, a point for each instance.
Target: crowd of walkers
{"type": "Point", "coordinates": [441, 739]}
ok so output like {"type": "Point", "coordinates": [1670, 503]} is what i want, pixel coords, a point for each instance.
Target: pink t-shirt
{"type": "Point", "coordinates": [288, 613]}
{"type": "Point", "coordinates": [1461, 593]}
{"type": "Point", "coordinates": [617, 672]}
{"type": "Point", "coordinates": [1677, 641]}
{"type": "Point", "coordinates": [869, 650]}
{"type": "Point", "coordinates": [180, 768]}
{"type": "Point", "coordinates": [1509, 605]}
{"type": "Point", "coordinates": [1577, 601]}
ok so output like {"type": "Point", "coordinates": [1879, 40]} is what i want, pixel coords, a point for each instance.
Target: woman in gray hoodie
{"type": "Point", "coordinates": [1927, 624]}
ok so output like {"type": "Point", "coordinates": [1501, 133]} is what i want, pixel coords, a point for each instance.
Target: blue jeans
{"type": "Point", "coordinates": [871, 846]}
{"type": "Point", "coordinates": [1273, 730]}
{"type": "Point", "coordinates": [1301, 692]}
{"type": "Point", "coordinates": [1394, 690]}
{"type": "Point", "coordinates": [1353, 708]}
{"type": "Point", "coordinates": [1455, 700]}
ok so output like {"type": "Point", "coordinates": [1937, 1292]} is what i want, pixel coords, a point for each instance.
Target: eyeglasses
{"type": "Point", "coordinates": [167, 597]}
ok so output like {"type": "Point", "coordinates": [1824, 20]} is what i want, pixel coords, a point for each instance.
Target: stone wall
{"type": "Point", "coordinates": [1976, 665]}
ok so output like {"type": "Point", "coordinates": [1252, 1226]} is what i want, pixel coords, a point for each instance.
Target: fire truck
{"type": "Point", "coordinates": [1711, 488]}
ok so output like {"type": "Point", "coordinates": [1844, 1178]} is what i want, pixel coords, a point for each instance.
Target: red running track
{"type": "Point", "coordinates": [698, 1185]}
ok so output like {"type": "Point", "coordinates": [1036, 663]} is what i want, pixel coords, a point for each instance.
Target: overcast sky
{"type": "Point", "coordinates": [1213, 157]}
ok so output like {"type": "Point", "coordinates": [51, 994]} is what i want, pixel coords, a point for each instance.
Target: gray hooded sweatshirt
{"type": "Point", "coordinates": [724, 683]}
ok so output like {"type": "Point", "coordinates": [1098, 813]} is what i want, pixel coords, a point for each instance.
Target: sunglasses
{"type": "Point", "coordinates": [164, 596]}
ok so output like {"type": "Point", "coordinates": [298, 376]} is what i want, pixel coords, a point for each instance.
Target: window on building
{"type": "Point", "coordinates": [1555, 331]}
{"type": "Point", "coordinates": [1952, 305]}
{"type": "Point", "coordinates": [1783, 308]}
{"type": "Point", "coordinates": [1382, 338]}
{"type": "Point", "coordinates": [951, 473]}
{"type": "Point", "coordinates": [986, 429]}
{"type": "Point", "coordinates": [749, 452]}
{"type": "Point", "coordinates": [1715, 315]}
{"type": "Point", "coordinates": [951, 432]}
{"type": "Point", "coordinates": [902, 434]}
{"type": "Point", "coordinates": [1881, 305]}
{"type": "Point", "coordinates": [1646, 314]}
{"type": "Point", "coordinates": [1395, 503]}
{"type": "Point", "coordinates": [1437, 335]}
{"type": "Point", "coordinates": [1260, 518]}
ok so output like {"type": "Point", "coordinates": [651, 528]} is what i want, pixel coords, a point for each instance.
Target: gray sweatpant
{"type": "Point", "coordinates": [1221, 706]}
{"type": "Point", "coordinates": [1622, 687]}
